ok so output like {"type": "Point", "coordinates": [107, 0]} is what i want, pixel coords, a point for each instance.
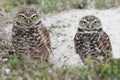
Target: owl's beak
{"type": "Point", "coordinates": [89, 26]}
{"type": "Point", "coordinates": [28, 21]}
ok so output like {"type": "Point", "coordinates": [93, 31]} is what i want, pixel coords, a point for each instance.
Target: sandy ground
{"type": "Point", "coordinates": [65, 27]}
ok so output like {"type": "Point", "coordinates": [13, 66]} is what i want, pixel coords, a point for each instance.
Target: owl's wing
{"type": "Point", "coordinates": [106, 44]}
{"type": "Point", "coordinates": [77, 42]}
{"type": "Point", "coordinates": [45, 34]}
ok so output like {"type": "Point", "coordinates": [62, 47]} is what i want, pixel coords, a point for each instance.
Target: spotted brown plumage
{"type": "Point", "coordinates": [91, 40]}
{"type": "Point", "coordinates": [30, 37]}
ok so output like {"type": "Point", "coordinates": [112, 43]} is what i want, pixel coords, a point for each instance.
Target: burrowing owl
{"type": "Point", "coordinates": [91, 40]}
{"type": "Point", "coordinates": [29, 36]}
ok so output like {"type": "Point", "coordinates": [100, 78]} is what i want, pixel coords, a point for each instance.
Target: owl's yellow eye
{"type": "Point", "coordinates": [34, 17]}
{"type": "Point", "coordinates": [22, 17]}
{"type": "Point", "coordinates": [96, 23]}
{"type": "Point", "coordinates": [84, 22]}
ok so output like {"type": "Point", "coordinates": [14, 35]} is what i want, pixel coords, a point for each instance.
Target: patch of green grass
{"type": "Point", "coordinates": [110, 70]}
{"type": "Point", "coordinates": [47, 6]}
{"type": "Point", "coordinates": [44, 5]}
{"type": "Point", "coordinates": [24, 70]}
{"type": "Point", "coordinates": [100, 4]}
{"type": "Point", "coordinates": [105, 4]}
{"type": "Point", "coordinates": [117, 3]}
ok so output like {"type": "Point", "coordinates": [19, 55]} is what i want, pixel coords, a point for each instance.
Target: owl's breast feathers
{"type": "Point", "coordinates": [93, 44]}
{"type": "Point", "coordinates": [26, 33]}
{"type": "Point", "coordinates": [34, 39]}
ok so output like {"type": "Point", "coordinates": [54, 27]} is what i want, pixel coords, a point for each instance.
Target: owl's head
{"type": "Point", "coordinates": [27, 16]}
{"type": "Point", "coordinates": [90, 23]}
